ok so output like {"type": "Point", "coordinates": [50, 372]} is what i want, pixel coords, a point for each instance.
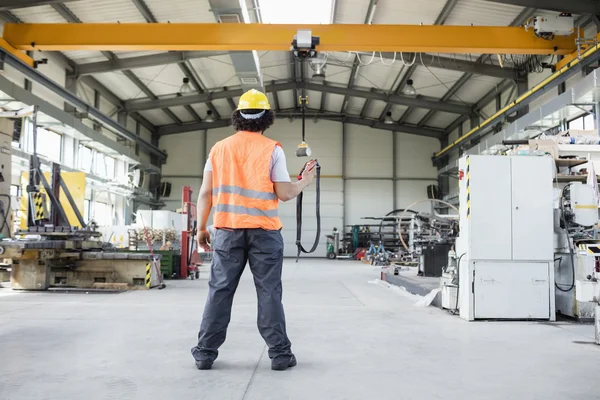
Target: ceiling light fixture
{"type": "Point", "coordinates": [409, 89]}
{"type": "Point", "coordinates": [209, 116]}
{"type": "Point", "coordinates": [318, 65]}
{"type": "Point", "coordinates": [388, 118]}
{"type": "Point", "coordinates": [185, 86]}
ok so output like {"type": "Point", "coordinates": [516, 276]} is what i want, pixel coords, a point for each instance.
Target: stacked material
{"type": "Point", "coordinates": [156, 235]}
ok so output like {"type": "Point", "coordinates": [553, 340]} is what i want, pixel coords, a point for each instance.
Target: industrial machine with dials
{"type": "Point", "coordinates": [504, 251]}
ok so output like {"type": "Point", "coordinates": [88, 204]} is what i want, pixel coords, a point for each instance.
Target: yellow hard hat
{"type": "Point", "coordinates": [254, 100]}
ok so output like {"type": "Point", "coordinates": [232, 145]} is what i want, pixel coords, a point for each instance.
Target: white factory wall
{"type": "Point", "coordinates": [185, 163]}
{"type": "Point", "coordinates": [369, 154]}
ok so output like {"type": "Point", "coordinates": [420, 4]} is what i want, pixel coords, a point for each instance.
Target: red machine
{"type": "Point", "coordinates": [189, 254]}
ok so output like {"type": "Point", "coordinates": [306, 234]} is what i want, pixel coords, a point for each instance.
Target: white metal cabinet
{"type": "Point", "coordinates": [532, 215]}
{"type": "Point", "coordinates": [512, 290]}
{"type": "Point", "coordinates": [489, 189]}
{"type": "Point", "coordinates": [506, 234]}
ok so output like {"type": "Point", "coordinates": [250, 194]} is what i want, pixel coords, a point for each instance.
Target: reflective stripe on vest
{"type": "Point", "coordinates": [254, 212]}
{"type": "Point", "coordinates": [243, 194]}
{"type": "Point", "coordinates": [253, 194]}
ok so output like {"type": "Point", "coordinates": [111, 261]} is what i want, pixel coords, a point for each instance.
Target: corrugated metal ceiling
{"type": "Point", "coordinates": [408, 12]}
{"type": "Point", "coordinates": [106, 11]}
{"type": "Point", "coordinates": [483, 13]}
{"type": "Point", "coordinates": [120, 85]}
{"type": "Point", "coordinates": [181, 10]}
{"type": "Point", "coordinates": [217, 72]}
{"type": "Point", "coordinates": [40, 14]}
{"type": "Point", "coordinates": [441, 119]}
{"type": "Point", "coordinates": [162, 79]}
{"type": "Point", "coordinates": [351, 11]}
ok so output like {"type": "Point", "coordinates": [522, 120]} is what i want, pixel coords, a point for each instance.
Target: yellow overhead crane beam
{"type": "Point", "coordinates": [336, 37]}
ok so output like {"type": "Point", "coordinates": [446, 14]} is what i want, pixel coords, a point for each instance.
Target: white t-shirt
{"type": "Point", "coordinates": [279, 171]}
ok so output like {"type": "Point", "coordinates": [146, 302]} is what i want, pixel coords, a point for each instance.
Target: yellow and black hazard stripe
{"type": "Point", "coordinates": [468, 187]}
{"type": "Point", "coordinates": [594, 250]}
{"type": "Point", "coordinates": [38, 206]}
{"type": "Point", "coordinates": [148, 275]}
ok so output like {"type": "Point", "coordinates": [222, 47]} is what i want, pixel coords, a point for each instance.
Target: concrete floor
{"type": "Point", "coordinates": [353, 340]}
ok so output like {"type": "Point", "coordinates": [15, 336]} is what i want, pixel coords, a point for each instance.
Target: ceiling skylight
{"type": "Point", "coordinates": [296, 12]}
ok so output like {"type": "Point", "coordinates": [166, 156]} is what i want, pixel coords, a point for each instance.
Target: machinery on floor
{"type": "Point", "coordinates": [576, 247]}
{"type": "Point", "coordinates": [57, 251]}
{"type": "Point", "coordinates": [504, 252]}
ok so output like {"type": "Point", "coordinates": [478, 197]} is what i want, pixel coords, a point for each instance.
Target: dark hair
{"type": "Point", "coordinates": [252, 125]}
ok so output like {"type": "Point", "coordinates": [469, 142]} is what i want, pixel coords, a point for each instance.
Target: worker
{"type": "Point", "coordinates": [244, 178]}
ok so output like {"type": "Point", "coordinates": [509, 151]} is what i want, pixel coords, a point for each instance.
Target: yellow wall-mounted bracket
{"type": "Point", "coordinates": [232, 37]}
{"type": "Point", "coordinates": [17, 53]}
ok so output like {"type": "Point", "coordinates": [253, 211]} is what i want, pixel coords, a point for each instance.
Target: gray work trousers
{"type": "Point", "coordinates": [232, 248]}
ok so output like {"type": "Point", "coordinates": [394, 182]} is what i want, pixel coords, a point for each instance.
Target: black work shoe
{"type": "Point", "coordinates": [204, 364]}
{"type": "Point", "coordinates": [283, 363]}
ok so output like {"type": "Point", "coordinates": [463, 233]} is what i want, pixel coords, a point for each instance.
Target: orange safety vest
{"type": "Point", "coordinates": [243, 195]}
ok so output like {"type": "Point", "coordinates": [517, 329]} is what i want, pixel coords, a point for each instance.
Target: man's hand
{"type": "Point", "coordinates": [203, 240]}
{"type": "Point", "coordinates": [309, 172]}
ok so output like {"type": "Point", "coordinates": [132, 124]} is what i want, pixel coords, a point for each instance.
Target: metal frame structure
{"type": "Point", "coordinates": [249, 37]}
{"type": "Point", "coordinates": [361, 37]}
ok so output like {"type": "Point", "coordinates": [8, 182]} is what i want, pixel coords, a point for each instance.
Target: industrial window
{"type": "Point", "coordinates": [49, 144]}
{"type": "Point", "coordinates": [86, 211]}
{"type": "Point", "coordinates": [104, 166]}
{"type": "Point", "coordinates": [110, 167]}
{"type": "Point", "coordinates": [99, 165]}
{"type": "Point", "coordinates": [85, 158]}
{"type": "Point", "coordinates": [103, 214]}
{"type": "Point", "coordinates": [586, 122]}
{"type": "Point", "coordinates": [576, 124]}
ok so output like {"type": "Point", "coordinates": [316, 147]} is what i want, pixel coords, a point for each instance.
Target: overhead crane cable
{"type": "Point", "coordinates": [362, 63]}
{"type": "Point", "coordinates": [405, 63]}
{"type": "Point", "coordinates": [387, 65]}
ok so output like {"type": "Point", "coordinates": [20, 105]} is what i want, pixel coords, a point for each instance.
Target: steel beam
{"type": "Point", "coordinates": [191, 126]}
{"type": "Point", "coordinates": [144, 61]}
{"type": "Point", "coordinates": [20, 94]}
{"type": "Point", "coordinates": [447, 96]}
{"type": "Point", "coordinates": [573, 6]}
{"type": "Point", "coordinates": [81, 105]}
{"type": "Point", "coordinates": [195, 80]}
{"type": "Point", "coordinates": [274, 37]}
{"type": "Point", "coordinates": [484, 101]}
{"type": "Point", "coordinates": [440, 20]}
{"type": "Point", "coordinates": [276, 100]}
{"type": "Point", "coordinates": [518, 21]}
{"type": "Point", "coordinates": [144, 10]}
{"type": "Point", "coordinates": [355, 64]}
{"type": "Point", "coordinates": [187, 71]}
{"type": "Point", "coordinates": [409, 129]}
{"type": "Point", "coordinates": [68, 15]}
{"type": "Point", "coordinates": [11, 4]}
{"type": "Point", "coordinates": [145, 104]}
{"type": "Point", "coordinates": [137, 82]}
{"type": "Point", "coordinates": [419, 101]}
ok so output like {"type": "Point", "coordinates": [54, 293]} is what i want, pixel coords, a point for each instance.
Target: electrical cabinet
{"type": "Point", "coordinates": [506, 236]}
